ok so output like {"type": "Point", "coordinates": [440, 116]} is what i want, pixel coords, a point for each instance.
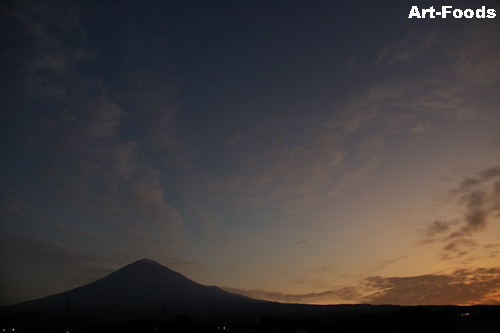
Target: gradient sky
{"type": "Point", "coordinates": [298, 151]}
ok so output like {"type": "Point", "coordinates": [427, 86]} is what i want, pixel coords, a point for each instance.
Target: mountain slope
{"type": "Point", "coordinates": [143, 288]}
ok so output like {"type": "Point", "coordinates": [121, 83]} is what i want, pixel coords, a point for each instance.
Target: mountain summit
{"type": "Point", "coordinates": [145, 289]}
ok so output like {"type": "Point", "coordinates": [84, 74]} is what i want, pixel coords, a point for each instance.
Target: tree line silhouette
{"type": "Point", "coordinates": [406, 319]}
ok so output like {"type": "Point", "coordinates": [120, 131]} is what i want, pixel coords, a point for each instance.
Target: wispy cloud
{"type": "Point", "coordinates": [478, 63]}
{"type": "Point", "coordinates": [292, 165]}
{"type": "Point", "coordinates": [275, 167]}
{"type": "Point", "coordinates": [344, 295]}
{"type": "Point", "coordinates": [423, 127]}
{"type": "Point", "coordinates": [479, 199]}
{"type": "Point", "coordinates": [52, 33]}
{"type": "Point", "coordinates": [412, 46]}
{"type": "Point", "coordinates": [388, 262]}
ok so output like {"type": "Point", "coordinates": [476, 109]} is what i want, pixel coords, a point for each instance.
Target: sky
{"type": "Point", "coordinates": [319, 152]}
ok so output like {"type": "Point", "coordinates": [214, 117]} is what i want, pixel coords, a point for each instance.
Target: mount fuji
{"type": "Point", "coordinates": [142, 289]}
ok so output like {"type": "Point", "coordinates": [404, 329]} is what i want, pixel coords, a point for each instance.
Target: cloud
{"type": "Point", "coordinates": [102, 119]}
{"type": "Point", "coordinates": [478, 62]}
{"type": "Point", "coordinates": [291, 167]}
{"type": "Point", "coordinates": [276, 167]}
{"type": "Point", "coordinates": [490, 173]}
{"type": "Point", "coordinates": [462, 287]}
{"type": "Point", "coordinates": [384, 52]}
{"type": "Point", "coordinates": [301, 242]}
{"type": "Point", "coordinates": [480, 202]}
{"type": "Point", "coordinates": [89, 165]}
{"type": "Point", "coordinates": [423, 127]}
{"type": "Point", "coordinates": [280, 164]}
{"type": "Point", "coordinates": [414, 46]}
{"type": "Point", "coordinates": [44, 87]}
{"type": "Point", "coordinates": [476, 212]}
{"type": "Point", "coordinates": [96, 171]}
{"type": "Point", "coordinates": [50, 44]}
{"type": "Point", "coordinates": [468, 183]}
{"type": "Point", "coordinates": [148, 204]}
{"type": "Point", "coordinates": [470, 64]}
{"type": "Point", "coordinates": [94, 163]}
{"type": "Point", "coordinates": [345, 294]}
{"type": "Point", "coordinates": [438, 227]}
{"type": "Point", "coordinates": [388, 262]}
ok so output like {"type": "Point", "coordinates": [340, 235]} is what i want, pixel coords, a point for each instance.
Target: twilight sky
{"type": "Point", "coordinates": [298, 151]}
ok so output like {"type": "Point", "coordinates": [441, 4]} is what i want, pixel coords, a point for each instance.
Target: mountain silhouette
{"type": "Point", "coordinates": [142, 289]}
{"type": "Point", "coordinates": [146, 289]}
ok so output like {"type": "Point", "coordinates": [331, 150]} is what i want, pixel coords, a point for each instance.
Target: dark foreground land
{"type": "Point", "coordinates": [360, 318]}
